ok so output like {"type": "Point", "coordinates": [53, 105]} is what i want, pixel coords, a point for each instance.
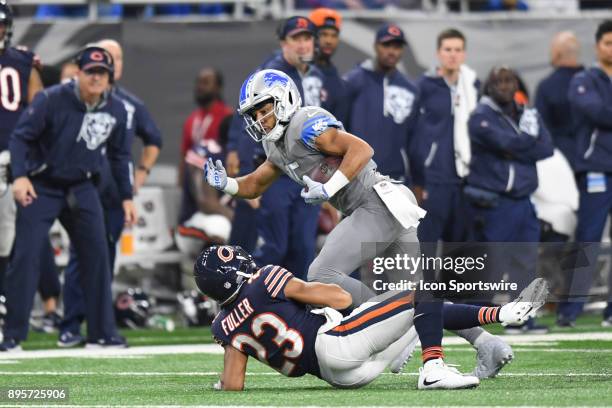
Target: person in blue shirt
{"type": "Point", "coordinates": [507, 140]}
{"type": "Point", "coordinates": [59, 147]}
{"type": "Point", "coordinates": [551, 98]}
{"type": "Point", "coordinates": [141, 122]}
{"type": "Point", "coordinates": [590, 97]}
{"type": "Point", "coordinates": [384, 104]}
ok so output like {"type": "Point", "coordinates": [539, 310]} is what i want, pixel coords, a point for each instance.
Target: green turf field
{"type": "Point", "coordinates": [544, 373]}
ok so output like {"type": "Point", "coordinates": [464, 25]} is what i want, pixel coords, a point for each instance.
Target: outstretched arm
{"type": "Point", "coordinates": [250, 186]}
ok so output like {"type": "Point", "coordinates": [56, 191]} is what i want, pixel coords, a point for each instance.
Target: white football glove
{"type": "Point", "coordinates": [316, 193]}
{"type": "Point", "coordinates": [215, 174]}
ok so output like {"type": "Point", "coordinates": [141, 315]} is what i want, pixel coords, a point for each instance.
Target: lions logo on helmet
{"type": "Point", "coordinates": [96, 128]}
{"type": "Point", "coordinates": [269, 85]}
{"type": "Point", "coordinates": [220, 272]}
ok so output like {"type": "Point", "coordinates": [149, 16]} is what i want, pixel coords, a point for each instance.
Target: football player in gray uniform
{"type": "Point", "coordinates": [381, 216]}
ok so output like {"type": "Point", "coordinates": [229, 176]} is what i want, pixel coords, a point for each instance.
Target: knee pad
{"type": "Point", "coordinates": [323, 275]}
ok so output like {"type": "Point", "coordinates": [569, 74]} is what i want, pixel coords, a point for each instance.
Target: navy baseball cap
{"type": "Point", "coordinates": [389, 33]}
{"type": "Point", "coordinates": [93, 56]}
{"type": "Point", "coordinates": [295, 25]}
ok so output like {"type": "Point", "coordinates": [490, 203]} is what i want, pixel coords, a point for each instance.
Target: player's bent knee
{"type": "Point", "coordinates": [323, 275]}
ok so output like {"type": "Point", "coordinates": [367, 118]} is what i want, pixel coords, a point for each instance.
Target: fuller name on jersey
{"type": "Point", "coordinates": [263, 323]}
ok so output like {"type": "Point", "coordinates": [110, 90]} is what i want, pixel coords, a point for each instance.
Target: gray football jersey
{"type": "Point", "coordinates": [295, 154]}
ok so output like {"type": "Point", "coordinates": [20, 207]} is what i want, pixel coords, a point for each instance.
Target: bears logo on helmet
{"type": "Point", "coordinates": [132, 308]}
{"type": "Point", "coordinates": [220, 272]}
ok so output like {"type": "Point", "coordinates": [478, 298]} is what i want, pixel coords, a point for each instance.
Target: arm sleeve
{"type": "Point", "coordinates": [584, 98]}
{"type": "Point", "coordinates": [315, 126]}
{"type": "Point", "coordinates": [28, 129]}
{"type": "Point", "coordinates": [542, 148]}
{"type": "Point", "coordinates": [274, 279]}
{"type": "Point", "coordinates": [146, 128]}
{"type": "Point", "coordinates": [496, 139]}
{"type": "Point", "coordinates": [119, 156]}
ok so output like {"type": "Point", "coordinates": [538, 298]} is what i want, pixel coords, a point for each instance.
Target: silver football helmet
{"type": "Point", "coordinates": [269, 85]}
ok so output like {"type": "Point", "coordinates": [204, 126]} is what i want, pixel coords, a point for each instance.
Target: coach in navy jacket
{"type": "Point", "coordinates": [590, 96]}
{"type": "Point", "coordinates": [384, 105]}
{"type": "Point", "coordinates": [139, 121]}
{"type": "Point", "coordinates": [58, 148]}
{"type": "Point", "coordinates": [506, 144]}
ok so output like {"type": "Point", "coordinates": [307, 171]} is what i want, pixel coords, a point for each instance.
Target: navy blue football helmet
{"type": "Point", "coordinates": [221, 270]}
{"type": "Point", "coordinates": [6, 18]}
{"type": "Point", "coordinates": [132, 308]}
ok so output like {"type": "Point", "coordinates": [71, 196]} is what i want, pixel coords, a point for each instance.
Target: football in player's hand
{"type": "Point", "coordinates": [323, 172]}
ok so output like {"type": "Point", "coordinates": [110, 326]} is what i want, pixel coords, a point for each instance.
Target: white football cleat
{"type": "Point", "coordinates": [398, 364]}
{"type": "Point", "coordinates": [526, 305]}
{"type": "Point", "coordinates": [491, 356]}
{"type": "Point", "coordinates": [435, 374]}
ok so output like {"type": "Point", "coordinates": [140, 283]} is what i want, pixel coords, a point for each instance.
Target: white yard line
{"type": "Point", "coordinates": [264, 374]}
{"type": "Point", "coordinates": [270, 406]}
{"type": "Point", "coordinates": [528, 339]}
{"type": "Point", "coordinates": [115, 352]}
{"type": "Point", "coordinates": [537, 349]}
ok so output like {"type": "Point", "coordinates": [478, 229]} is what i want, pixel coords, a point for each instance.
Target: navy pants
{"type": "Point", "coordinates": [447, 216]}
{"type": "Point", "coordinates": [80, 212]}
{"type": "Point", "coordinates": [244, 228]}
{"type": "Point", "coordinates": [74, 302]}
{"type": "Point", "coordinates": [513, 230]}
{"type": "Point", "coordinates": [593, 211]}
{"type": "Point", "coordinates": [288, 228]}
{"type": "Point", "coordinates": [49, 285]}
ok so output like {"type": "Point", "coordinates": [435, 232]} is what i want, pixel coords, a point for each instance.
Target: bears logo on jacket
{"type": "Point", "coordinates": [96, 128]}
{"type": "Point", "coordinates": [398, 103]}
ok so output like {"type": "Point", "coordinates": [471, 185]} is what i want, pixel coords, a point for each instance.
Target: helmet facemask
{"type": "Point", "coordinates": [243, 274]}
{"type": "Point", "coordinates": [255, 127]}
